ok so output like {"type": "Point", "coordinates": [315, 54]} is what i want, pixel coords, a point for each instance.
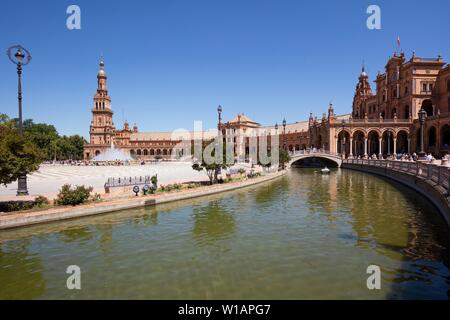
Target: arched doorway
{"type": "Point", "coordinates": [343, 146]}
{"type": "Point", "coordinates": [445, 137]}
{"type": "Point", "coordinates": [97, 152]}
{"type": "Point", "coordinates": [373, 144]}
{"type": "Point", "coordinates": [145, 152]}
{"type": "Point", "coordinates": [388, 143]}
{"type": "Point", "coordinates": [358, 144]}
{"type": "Point", "coordinates": [418, 142]}
{"type": "Point", "coordinates": [139, 152]}
{"type": "Point", "coordinates": [402, 142]}
{"type": "Point", "coordinates": [152, 152]}
{"type": "Point", "coordinates": [431, 138]}
{"type": "Point", "coordinates": [427, 105]}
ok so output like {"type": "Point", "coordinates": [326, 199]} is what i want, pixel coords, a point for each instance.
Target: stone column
{"type": "Point", "coordinates": [351, 149]}
{"type": "Point", "coordinates": [395, 146]}
{"type": "Point", "coordinates": [365, 148]}
{"type": "Point", "coordinates": [337, 144]}
{"type": "Point", "coordinates": [409, 146]}
{"type": "Point", "coordinates": [380, 153]}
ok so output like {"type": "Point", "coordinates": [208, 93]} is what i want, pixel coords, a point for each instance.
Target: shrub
{"type": "Point", "coordinates": [10, 206]}
{"type": "Point", "coordinates": [241, 171]}
{"type": "Point", "coordinates": [177, 186]}
{"type": "Point", "coordinates": [96, 197]}
{"type": "Point", "coordinates": [73, 196]}
{"type": "Point", "coordinates": [154, 180]}
{"type": "Point", "coordinates": [41, 201]}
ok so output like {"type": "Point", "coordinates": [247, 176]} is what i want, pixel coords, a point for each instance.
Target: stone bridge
{"type": "Point", "coordinates": [305, 154]}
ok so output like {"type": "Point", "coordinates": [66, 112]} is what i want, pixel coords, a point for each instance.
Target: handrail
{"type": "Point", "coordinates": [438, 174]}
{"type": "Point", "coordinates": [312, 151]}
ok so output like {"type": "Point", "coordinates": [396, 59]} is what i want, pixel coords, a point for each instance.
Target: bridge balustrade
{"type": "Point", "coordinates": [439, 174]}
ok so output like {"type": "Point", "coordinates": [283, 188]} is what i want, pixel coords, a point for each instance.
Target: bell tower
{"type": "Point", "coordinates": [362, 93]}
{"type": "Point", "coordinates": [102, 127]}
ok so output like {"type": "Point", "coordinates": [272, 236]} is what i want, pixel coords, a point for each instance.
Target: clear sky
{"type": "Point", "coordinates": [172, 62]}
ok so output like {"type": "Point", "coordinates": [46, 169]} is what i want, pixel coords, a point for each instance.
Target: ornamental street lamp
{"type": "Point", "coordinates": [422, 118]}
{"type": "Point", "coordinates": [284, 134]}
{"type": "Point", "coordinates": [20, 57]}
{"type": "Point", "coordinates": [219, 111]}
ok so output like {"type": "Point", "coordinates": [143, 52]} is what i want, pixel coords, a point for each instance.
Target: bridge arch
{"type": "Point", "coordinates": [315, 159]}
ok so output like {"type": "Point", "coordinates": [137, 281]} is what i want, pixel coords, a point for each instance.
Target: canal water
{"type": "Point", "coordinates": [303, 236]}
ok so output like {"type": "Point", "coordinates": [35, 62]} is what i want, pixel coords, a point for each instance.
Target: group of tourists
{"type": "Point", "coordinates": [406, 157]}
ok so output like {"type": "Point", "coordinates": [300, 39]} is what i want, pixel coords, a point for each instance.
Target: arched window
{"type": "Point", "coordinates": [427, 105]}
{"type": "Point", "coordinates": [406, 115]}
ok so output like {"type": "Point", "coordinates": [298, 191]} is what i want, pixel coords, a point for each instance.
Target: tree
{"type": "Point", "coordinates": [4, 119]}
{"type": "Point", "coordinates": [283, 159]}
{"type": "Point", "coordinates": [46, 138]}
{"type": "Point", "coordinates": [18, 155]}
{"type": "Point", "coordinates": [42, 135]}
{"type": "Point", "coordinates": [216, 164]}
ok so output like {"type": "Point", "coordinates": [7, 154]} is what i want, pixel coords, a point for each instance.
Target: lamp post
{"type": "Point", "coordinates": [422, 118]}
{"type": "Point", "coordinates": [276, 134]}
{"type": "Point", "coordinates": [219, 111]}
{"type": "Point", "coordinates": [284, 134]}
{"type": "Point", "coordinates": [20, 57]}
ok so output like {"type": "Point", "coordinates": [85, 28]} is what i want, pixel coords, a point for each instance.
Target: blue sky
{"type": "Point", "coordinates": [172, 62]}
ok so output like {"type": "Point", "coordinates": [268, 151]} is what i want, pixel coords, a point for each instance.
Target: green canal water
{"type": "Point", "coordinates": [303, 236]}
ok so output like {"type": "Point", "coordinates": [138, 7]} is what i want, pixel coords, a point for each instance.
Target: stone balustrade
{"type": "Point", "coordinates": [438, 173]}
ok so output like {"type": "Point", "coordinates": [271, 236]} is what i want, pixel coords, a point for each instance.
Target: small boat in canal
{"type": "Point", "coordinates": [325, 170]}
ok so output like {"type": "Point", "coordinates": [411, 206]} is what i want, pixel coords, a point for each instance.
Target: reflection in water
{"type": "Point", "coordinates": [305, 235]}
{"type": "Point", "coordinates": [212, 222]}
{"type": "Point", "coordinates": [21, 274]}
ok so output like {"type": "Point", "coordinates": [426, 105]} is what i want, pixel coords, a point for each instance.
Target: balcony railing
{"type": "Point", "coordinates": [376, 120]}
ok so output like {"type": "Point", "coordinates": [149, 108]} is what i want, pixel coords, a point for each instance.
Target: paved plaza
{"type": "Point", "coordinates": [49, 178]}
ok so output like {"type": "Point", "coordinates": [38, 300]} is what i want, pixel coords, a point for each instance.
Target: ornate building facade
{"type": "Point", "coordinates": [382, 121]}
{"type": "Point", "coordinates": [386, 122]}
{"type": "Point", "coordinates": [139, 145]}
